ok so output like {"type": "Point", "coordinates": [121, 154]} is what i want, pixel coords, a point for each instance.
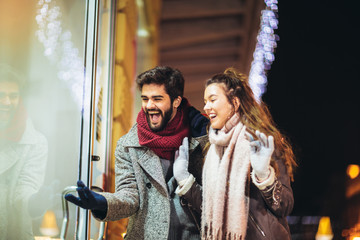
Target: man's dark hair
{"type": "Point", "coordinates": [171, 78]}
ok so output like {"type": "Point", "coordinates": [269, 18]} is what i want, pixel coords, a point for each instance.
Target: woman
{"type": "Point", "coordinates": [248, 167]}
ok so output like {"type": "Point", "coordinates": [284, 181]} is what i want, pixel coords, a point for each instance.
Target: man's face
{"type": "Point", "coordinates": [157, 106]}
{"type": "Point", "coordinates": [9, 101]}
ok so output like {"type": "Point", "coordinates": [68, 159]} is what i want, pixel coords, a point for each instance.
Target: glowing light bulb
{"type": "Point", "coordinates": [264, 51]}
{"type": "Point", "coordinates": [353, 171]}
{"type": "Point", "coordinates": [49, 226]}
{"type": "Point", "coordinates": [324, 230]}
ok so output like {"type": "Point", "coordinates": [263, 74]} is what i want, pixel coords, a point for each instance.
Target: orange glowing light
{"type": "Point", "coordinates": [48, 225]}
{"type": "Point", "coordinates": [324, 229]}
{"type": "Point", "coordinates": [353, 171]}
{"type": "Point", "coordinates": [355, 238]}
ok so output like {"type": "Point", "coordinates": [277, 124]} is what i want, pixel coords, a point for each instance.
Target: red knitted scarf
{"type": "Point", "coordinates": [165, 142]}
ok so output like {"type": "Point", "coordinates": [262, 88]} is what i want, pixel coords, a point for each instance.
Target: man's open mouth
{"type": "Point", "coordinates": [154, 115]}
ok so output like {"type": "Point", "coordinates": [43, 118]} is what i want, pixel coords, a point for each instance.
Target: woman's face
{"type": "Point", "coordinates": [217, 105]}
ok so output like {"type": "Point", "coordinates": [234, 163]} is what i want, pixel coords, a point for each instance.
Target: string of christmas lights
{"type": "Point", "coordinates": [61, 51]}
{"type": "Point", "coordinates": [264, 50]}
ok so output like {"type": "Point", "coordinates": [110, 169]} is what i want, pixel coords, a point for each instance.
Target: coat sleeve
{"type": "Point", "coordinates": [194, 197]}
{"type": "Point", "coordinates": [191, 191]}
{"type": "Point", "coordinates": [125, 201]}
{"type": "Point", "coordinates": [278, 196]}
{"type": "Point", "coordinates": [32, 176]}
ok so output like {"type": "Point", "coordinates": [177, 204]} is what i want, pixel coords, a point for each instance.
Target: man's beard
{"type": "Point", "coordinates": [5, 121]}
{"type": "Point", "coordinates": [165, 118]}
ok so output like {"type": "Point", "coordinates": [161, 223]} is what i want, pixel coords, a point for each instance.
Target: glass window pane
{"type": "Point", "coordinates": [41, 91]}
{"type": "Point", "coordinates": [101, 138]}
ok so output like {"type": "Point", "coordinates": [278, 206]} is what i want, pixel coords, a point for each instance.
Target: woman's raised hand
{"type": "Point", "coordinates": [260, 154]}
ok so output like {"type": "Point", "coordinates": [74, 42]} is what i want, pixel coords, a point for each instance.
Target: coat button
{"type": "Point", "coordinates": [148, 185]}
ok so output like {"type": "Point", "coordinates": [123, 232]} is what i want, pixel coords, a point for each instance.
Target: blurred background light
{"type": "Point", "coordinates": [264, 50]}
{"type": "Point", "coordinates": [61, 51]}
{"type": "Point", "coordinates": [49, 226]}
{"type": "Point", "coordinates": [143, 33]}
{"type": "Point", "coordinates": [324, 230]}
{"type": "Point", "coordinates": [353, 171]}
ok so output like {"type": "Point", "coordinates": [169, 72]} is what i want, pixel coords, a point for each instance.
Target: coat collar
{"type": "Point", "coordinates": [30, 136]}
{"type": "Point", "coordinates": [131, 138]}
{"type": "Point", "coordinates": [146, 158]}
{"type": "Point", "coordinates": [12, 153]}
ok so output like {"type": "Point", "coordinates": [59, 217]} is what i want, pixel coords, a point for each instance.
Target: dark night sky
{"type": "Point", "coordinates": [312, 93]}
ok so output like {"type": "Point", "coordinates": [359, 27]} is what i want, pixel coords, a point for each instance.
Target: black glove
{"type": "Point", "coordinates": [198, 122]}
{"type": "Point", "coordinates": [88, 199]}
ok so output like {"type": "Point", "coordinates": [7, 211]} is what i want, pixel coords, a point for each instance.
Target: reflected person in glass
{"type": "Point", "coordinates": [153, 191]}
{"type": "Point", "coordinates": [23, 156]}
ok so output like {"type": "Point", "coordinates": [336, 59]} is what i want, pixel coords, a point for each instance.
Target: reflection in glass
{"type": "Point", "coordinates": [41, 91]}
{"type": "Point", "coordinates": [23, 155]}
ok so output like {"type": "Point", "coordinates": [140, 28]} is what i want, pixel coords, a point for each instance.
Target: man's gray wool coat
{"type": "Point", "coordinates": [141, 191]}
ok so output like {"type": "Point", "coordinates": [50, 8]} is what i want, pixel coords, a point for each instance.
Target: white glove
{"type": "Point", "coordinates": [181, 163]}
{"type": "Point", "coordinates": [260, 154]}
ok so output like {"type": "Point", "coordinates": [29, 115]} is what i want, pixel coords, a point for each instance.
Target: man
{"type": "Point", "coordinates": [23, 156]}
{"type": "Point", "coordinates": [156, 196]}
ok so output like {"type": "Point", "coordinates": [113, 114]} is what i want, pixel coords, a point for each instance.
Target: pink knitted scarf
{"type": "Point", "coordinates": [225, 174]}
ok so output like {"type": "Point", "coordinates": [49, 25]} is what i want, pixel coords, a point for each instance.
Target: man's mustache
{"type": "Point", "coordinates": [153, 109]}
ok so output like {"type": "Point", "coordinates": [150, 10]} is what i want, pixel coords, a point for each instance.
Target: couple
{"type": "Point", "coordinates": [177, 180]}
